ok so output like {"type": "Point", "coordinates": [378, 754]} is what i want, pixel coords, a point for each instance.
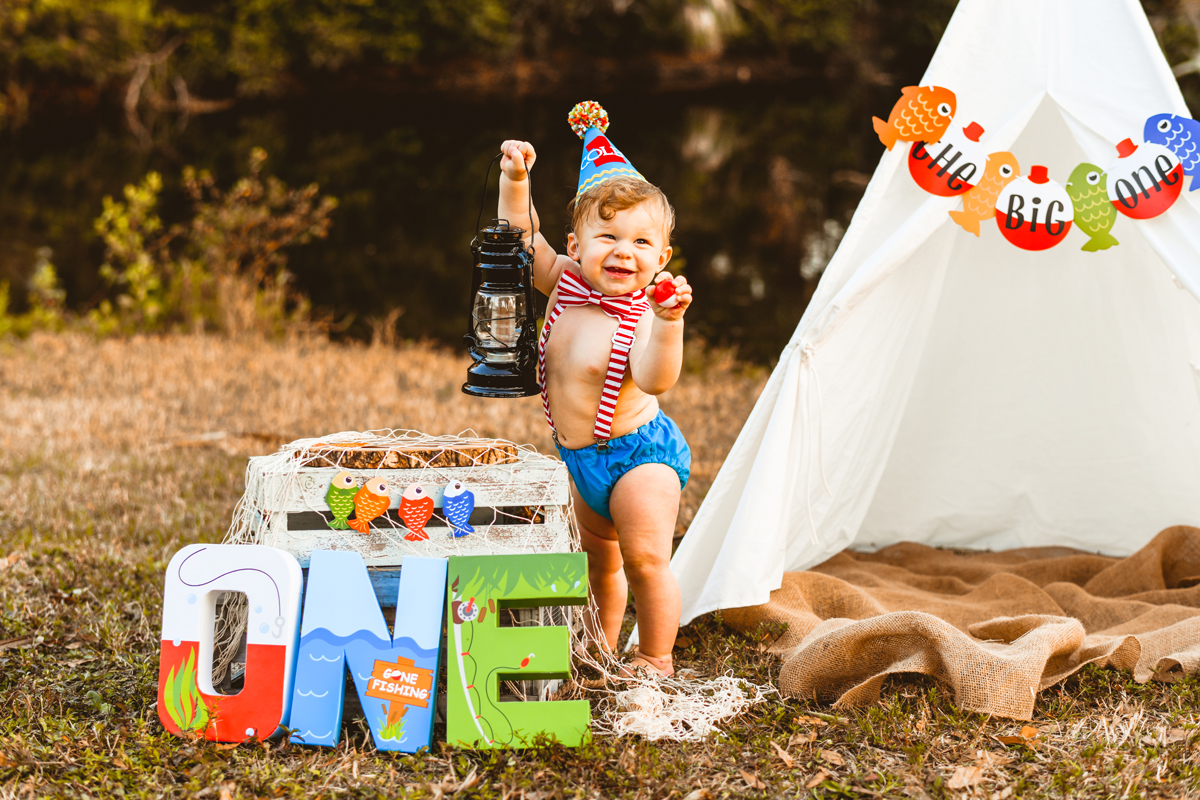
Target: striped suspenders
{"type": "Point", "coordinates": [627, 309]}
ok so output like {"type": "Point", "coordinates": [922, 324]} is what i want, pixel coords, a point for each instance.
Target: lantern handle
{"type": "Point", "coordinates": [483, 200]}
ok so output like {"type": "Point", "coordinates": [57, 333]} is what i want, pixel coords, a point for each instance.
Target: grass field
{"type": "Point", "coordinates": [115, 454]}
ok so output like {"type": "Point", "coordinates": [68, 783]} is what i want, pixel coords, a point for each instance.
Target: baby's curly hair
{"type": "Point", "coordinates": [618, 194]}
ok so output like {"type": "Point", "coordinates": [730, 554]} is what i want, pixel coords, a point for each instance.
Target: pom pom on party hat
{"type": "Point", "coordinates": [601, 160]}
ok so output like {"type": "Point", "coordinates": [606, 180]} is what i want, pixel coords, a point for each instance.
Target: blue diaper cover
{"type": "Point", "coordinates": [595, 473]}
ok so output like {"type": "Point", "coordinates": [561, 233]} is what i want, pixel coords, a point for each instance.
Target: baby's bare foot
{"type": "Point", "coordinates": [654, 666]}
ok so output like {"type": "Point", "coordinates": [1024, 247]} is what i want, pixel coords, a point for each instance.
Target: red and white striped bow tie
{"type": "Point", "coordinates": [574, 291]}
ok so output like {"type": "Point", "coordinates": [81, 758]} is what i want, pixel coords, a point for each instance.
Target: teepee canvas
{"type": "Point", "coordinates": [959, 391]}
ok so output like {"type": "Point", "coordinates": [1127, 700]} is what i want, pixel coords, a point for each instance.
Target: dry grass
{"type": "Point", "coordinates": [116, 408]}
{"type": "Point", "coordinates": [115, 454]}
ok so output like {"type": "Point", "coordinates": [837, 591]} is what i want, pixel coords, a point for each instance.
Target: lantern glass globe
{"type": "Point", "coordinates": [498, 317]}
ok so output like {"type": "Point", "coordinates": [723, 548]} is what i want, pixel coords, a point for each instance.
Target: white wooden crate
{"type": "Point", "coordinates": [284, 506]}
{"type": "Point", "coordinates": [289, 511]}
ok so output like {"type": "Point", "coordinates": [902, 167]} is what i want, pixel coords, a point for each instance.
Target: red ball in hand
{"type": "Point", "coordinates": [664, 294]}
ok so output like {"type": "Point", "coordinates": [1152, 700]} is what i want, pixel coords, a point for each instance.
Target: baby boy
{"type": "Point", "coordinates": [607, 350]}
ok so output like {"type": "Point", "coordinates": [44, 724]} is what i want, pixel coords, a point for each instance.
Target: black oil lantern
{"type": "Point", "coordinates": [502, 340]}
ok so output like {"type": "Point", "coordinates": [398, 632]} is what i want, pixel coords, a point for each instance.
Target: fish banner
{"type": "Point", "coordinates": [1034, 211]}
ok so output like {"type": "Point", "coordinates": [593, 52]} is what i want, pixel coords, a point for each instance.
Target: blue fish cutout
{"type": "Point", "coordinates": [457, 504]}
{"type": "Point", "coordinates": [1181, 136]}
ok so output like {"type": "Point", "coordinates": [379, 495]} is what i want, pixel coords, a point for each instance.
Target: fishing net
{"type": "Point", "coordinates": [291, 480]}
{"type": "Point", "coordinates": [678, 709]}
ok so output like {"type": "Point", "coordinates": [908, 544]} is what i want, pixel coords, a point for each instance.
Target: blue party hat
{"type": "Point", "coordinates": [601, 159]}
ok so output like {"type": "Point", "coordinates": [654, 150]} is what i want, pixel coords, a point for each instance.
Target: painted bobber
{"type": "Point", "coordinates": [1034, 213]}
{"type": "Point", "coordinates": [953, 165]}
{"type": "Point", "coordinates": [1145, 180]}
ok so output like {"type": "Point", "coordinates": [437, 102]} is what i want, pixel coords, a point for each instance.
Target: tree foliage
{"type": "Point", "coordinates": [222, 270]}
{"type": "Point", "coordinates": [229, 47]}
{"type": "Point", "coordinates": [249, 48]}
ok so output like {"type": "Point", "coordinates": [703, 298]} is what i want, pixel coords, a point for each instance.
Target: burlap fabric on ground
{"type": "Point", "coordinates": [996, 627]}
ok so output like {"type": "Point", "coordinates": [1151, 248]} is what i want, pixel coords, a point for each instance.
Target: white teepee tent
{"type": "Point", "coordinates": [959, 391]}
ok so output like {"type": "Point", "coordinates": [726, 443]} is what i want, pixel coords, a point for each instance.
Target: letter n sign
{"type": "Point", "coordinates": [395, 674]}
{"type": "Point", "coordinates": [482, 653]}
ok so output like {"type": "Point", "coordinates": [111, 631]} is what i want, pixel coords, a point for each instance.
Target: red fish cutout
{"type": "Point", "coordinates": [923, 114]}
{"type": "Point", "coordinates": [416, 507]}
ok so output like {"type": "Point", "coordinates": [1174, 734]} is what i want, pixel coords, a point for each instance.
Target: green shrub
{"type": "Point", "coordinates": [224, 270]}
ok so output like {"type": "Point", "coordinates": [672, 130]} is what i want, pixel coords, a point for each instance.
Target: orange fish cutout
{"type": "Point", "coordinates": [922, 114]}
{"type": "Point", "coordinates": [371, 501]}
{"type": "Point", "coordinates": [980, 203]}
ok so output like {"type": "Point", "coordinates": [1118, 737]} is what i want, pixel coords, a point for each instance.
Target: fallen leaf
{"type": "Point", "coordinates": [987, 759]}
{"type": "Point", "coordinates": [698, 794]}
{"type": "Point", "coordinates": [77, 662]}
{"type": "Point", "coordinates": [682, 642]}
{"type": "Point", "coordinates": [833, 757]}
{"type": "Point", "coordinates": [804, 719]}
{"type": "Point", "coordinates": [802, 738]}
{"type": "Point", "coordinates": [815, 780]}
{"type": "Point", "coordinates": [74, 645]}
{"type": "Point", "coordinates": [119, 763]}
{"type": "Point", "coordinates": [965, 776]}
{"type": "Point", "coordinates": [1029, 732]}
{"type": "Point", "coordinates": [467, 782]}
{"type": "Point", "coordinates": [229, 746]}
{"type": "Point", "coordinates": [16, 641]}
{"type": "Point", "coordinates": [227, 792]}
{"type": "Point", "coordinates": [1176, 735]}
{"type": "Point", "coordinates": [783, 755]}
{"type": "Point", "coordinates": [751, 780]}
{"type": "Point", "coordinates": [913, 788]}
{"type": "Point", "coordinates": [1011, 740]}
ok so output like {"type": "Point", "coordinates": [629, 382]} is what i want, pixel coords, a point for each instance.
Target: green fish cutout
{"type": "Point", "coordinates": [340, 498]}
{"type": "Point", "coordinates": [1094, 212]}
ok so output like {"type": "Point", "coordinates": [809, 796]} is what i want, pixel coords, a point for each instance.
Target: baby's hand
{"type": "Point", "coordinates": [518, 158]}
{"type": "Point", "coordinates": [682, 297]}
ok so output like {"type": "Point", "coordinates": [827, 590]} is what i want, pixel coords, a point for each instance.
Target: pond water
{"type": "Point", "coordinates": [764, 178]}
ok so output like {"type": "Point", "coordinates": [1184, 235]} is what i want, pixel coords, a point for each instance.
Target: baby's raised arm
{"type": "Point", "coordinates": [518, 158]}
